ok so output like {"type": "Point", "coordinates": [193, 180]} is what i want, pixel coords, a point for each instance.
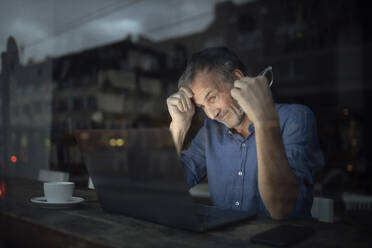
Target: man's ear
{"type": "Point", "coordinates": [237, 74]}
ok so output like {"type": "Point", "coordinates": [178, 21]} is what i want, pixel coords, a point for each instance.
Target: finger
{"type": "Point", "coordinates": [189, 103]}
{"type": "Point", "coordinates": [183, 101]}
{"type": "Point", "coordinates": [263, 79]}
{"type": "Point", "coordinates": [180, 106]}
{"type": "Point", "coordinates": [240, 83]}
{"type": "Point", "coordinates": [175, 101]}
{"type": "Point", "coordinates": [187, 91]}
{"type": "Point", "coordinates": [187, 100]}
{"type": "Point", "coordinates": [172, 100]}
{"type": "Point", "coordinates": [235, 93]}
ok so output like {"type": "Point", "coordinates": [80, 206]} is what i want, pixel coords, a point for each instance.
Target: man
{"type": "Point", "coordinates": [257, 155]}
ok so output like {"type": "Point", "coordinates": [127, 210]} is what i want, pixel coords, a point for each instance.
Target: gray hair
{"type": "Point", "coordinates": [218, 59]}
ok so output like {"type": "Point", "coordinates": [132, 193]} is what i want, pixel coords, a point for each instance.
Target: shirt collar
{"type": "Point", "coordinates": [251, 128]}
{"type": "Point", "coordinates": [227, 131]}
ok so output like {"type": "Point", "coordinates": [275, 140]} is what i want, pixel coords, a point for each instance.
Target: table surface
{"type": "Point", "coordinates": [26, 224]}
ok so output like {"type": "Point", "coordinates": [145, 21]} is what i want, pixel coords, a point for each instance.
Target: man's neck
{"type": "Point", "coordinates": [242, 128]}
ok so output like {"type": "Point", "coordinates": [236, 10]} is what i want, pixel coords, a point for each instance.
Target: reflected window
{"type": "Point", "coordinates": [37, 107]}
{"type": "Point", "coordinates": [246, 23]}
{"type": "Point", "coordinates": [77, 104]}
{"type": "Point", "coordinates": [62, 106]}
{"type": "Point", "coordinates": [92, 103]}
{"type": "Point", "coordinates": [48, 107]}
{"type": "Point", "coordinates": [64, 84]}
{"type": "Point", "coordinates": [26, 109]}
{"type": "Point", "coordinates": [15, 110]}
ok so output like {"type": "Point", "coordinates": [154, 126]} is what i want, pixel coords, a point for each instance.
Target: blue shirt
{"type": "Point", "coordinates": [230, 161]}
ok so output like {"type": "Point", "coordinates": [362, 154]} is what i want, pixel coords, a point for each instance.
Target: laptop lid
{"type": "Point", "coordinates": [137, 172]}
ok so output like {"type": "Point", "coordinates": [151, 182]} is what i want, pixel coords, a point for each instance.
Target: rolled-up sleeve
{"type": "Point", "coordinates": [300, 139]}
{"type": "Point", "coordinates": [193, 160]}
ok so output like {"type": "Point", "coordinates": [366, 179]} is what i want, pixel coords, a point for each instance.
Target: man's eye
{"type": "Point", "coordinates": [212, 99]}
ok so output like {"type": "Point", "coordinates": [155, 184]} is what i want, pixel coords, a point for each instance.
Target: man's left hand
{"type": "Point", "coordinates": [254, 97]}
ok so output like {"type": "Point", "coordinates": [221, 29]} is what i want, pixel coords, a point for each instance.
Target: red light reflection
{"type": "Point", "coordinates": [2, 190]}
{"type": "Point", "coordinates": [13, 159]}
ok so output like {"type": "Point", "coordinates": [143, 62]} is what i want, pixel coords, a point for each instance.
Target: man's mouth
{"type": "Point", "coordinates": [223, 116]}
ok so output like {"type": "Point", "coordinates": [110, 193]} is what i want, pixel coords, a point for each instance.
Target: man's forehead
{"type": "Point", "coordinates": [204, 81]}
{"type": "Point", "coordinates": [200, 94]}
{"type": "Point", "coordinates": [201, 86]}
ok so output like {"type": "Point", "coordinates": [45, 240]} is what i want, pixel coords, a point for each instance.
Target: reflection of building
{"type": "Point", "coordinates": [116, 86]}
{"type": "Point", "coordinates": [113, 87]}
{"type": "Point", "coordinates": [30, 113]}
{"type": "Point", "coordinates": [108, 80]}
{"type": "Point", "coordinates": [29, 90]}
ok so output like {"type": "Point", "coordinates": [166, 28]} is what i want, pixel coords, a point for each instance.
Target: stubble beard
{"type": "Point", "coordinates": [235, 111]}
{"type": "Point", "coordinates": [238, 115]}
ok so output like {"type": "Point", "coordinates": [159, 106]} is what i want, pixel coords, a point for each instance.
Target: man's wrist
{"type": "Point", "coordinates": [179, 134]}
{"type": "Point", "coordinates": [180, 129]}
{"type": "Point", "coordinates": [267, 123]}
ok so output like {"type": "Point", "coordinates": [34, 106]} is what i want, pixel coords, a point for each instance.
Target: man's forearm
{"type": "Point", "coordinates": [178, 135]}
{"type": "Point", "coordinates": [278, 186]}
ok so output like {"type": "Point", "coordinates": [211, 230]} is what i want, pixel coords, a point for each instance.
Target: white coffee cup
{"type": "Point", "coordinates": [58, 192]}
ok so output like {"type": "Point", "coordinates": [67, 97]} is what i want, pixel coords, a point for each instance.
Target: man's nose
{"type": "Point", "coordinates": [211, 112]}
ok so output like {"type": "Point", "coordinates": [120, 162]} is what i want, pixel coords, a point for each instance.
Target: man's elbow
{"type": "Point", "coordinates": [282, 207]}
{"type": "Point", "coordinates": [281, 211]}
{"type": "Point", "coordinates": [281, 201]}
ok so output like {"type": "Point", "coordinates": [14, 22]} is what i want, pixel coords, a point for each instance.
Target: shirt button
{"type": "Point", "coordinates": [240, 173]}
{"type": "Point", "coordinates": [243, 145]}
{"type": "Point", "coordinates": [237, 203]}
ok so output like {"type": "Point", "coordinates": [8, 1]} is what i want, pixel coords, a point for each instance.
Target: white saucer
{"type": "Point", "coordinates": [42, 202]}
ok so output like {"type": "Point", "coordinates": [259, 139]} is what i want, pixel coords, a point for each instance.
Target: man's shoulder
{"type": "Point", "coordinates": [292, 109]}
{"type": "Point", "coordinates": [295, 116]}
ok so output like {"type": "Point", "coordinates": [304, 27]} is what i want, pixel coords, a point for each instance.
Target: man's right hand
{"type": "Point", "coordinates": [181, 108]}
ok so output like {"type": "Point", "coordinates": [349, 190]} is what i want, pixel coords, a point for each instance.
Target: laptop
{"type": "Point", "coordinates": [137, 173]}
